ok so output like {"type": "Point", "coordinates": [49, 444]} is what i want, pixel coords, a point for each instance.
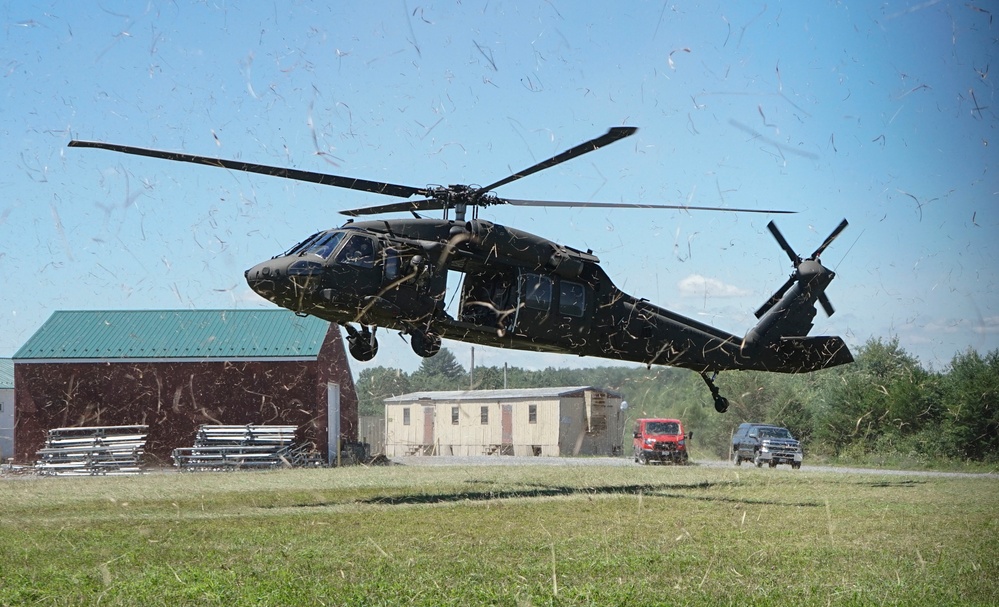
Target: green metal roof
{"type": "Point", "coordinates": [175, 334]}
{"type": "Point", "coordinates": [6, 373]}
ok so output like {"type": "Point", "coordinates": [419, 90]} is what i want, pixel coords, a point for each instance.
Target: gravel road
{"type": "Point", "coordinates": [495, 460]}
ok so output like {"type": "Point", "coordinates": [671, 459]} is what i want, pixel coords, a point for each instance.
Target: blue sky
{"type": "Point", "coordinates": [884, 114]}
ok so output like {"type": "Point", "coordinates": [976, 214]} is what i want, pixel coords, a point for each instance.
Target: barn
{"type": "Point", "coordinates": [6, 409]}
{"type": "Point", "coordinates": [580, 420]}
{"type": "Point", "coordinates": [177, 369]}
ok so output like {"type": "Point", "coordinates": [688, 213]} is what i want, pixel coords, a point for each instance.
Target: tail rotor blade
{"type": "Point", "coordinates": [783, 243]}
{"type": "Point", "coordinates": [825, 304]}
{"type": "Point", "coordinates": [822, 247]}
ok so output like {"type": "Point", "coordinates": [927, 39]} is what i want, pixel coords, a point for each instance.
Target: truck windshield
{"type": "Point", "coordinates": [774, 433]}
{"type": "Point", "coordinates": [662, 428]}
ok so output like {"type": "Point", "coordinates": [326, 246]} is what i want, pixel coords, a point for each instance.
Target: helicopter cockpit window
{"type": "Point", "coordinates": [392, 264]}
{"type": "Point", "coordinates": [571, 298]}
{"type": "Point", "coordinates": [537, 291]}
{"type": "Point", "coordinates": [357, 251]}
{"type": "Point", "coordinates": [302, 245]}
{"type": "Point", "coordinates": [325, 245]}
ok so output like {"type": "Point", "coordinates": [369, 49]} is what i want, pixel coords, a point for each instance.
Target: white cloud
{"type": "Point", "coordinates": [696, 285]}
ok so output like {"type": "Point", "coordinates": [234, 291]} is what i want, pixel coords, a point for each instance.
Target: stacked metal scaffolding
{"type": "Point", "coordinates": [92, 451]}
{"type": "Point", "coordinates": [242, 447]}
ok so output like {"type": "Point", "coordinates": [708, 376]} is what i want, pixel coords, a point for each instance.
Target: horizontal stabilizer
{"type": "Point", "coordinates": [803, 354]}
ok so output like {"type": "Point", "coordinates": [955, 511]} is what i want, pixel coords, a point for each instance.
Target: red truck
{"type": "Point", "coordinates": [660, 441]}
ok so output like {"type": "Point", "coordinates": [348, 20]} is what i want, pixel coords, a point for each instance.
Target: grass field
{"type": "Point", "coordinates": [507, 535]}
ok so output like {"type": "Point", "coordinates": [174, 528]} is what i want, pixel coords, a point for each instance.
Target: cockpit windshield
{"type": "Point", "coordinates": [302, 245]}
{"type": "Point", "coordinates": [325, 245]}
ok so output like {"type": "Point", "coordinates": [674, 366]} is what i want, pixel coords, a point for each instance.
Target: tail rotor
{"type": "Point", "coordinates": [803, 269]}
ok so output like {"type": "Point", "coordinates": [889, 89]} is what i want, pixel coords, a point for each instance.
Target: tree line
{"type": "Point", "coordinates": [884, 407]}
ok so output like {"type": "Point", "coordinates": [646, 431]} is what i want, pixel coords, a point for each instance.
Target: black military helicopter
{"type": "Point", "coordinates": [520, 290]}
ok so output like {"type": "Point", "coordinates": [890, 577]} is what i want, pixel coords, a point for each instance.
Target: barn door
{"type": "Point", "coordinates": [333, 422]}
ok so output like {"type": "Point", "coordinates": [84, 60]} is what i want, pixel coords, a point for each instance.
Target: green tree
{"type": "Point", "coordinates": [971, 393]}
{"type": "Point", "coordinates": [487, 378]}
{"type": "Point", "coordinates": [440, 372]}
{"type": "Point", "coordinates": [881, 399]}
{"type": "Point", "coordinates": [375, 384]}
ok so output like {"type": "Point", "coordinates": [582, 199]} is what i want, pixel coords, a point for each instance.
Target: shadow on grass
{"type": "Point", "coordinates": [674, 491]}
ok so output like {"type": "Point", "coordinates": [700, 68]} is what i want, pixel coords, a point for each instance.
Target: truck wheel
{"type": "Point", "coordinates": [758, 461]}
{"type": "Point", "coordinates": [773, 464]}
{"type": "Point", "coordinates": [641, 459]}
{"type": "Point", "coordinates": [796, 466]}
{"type": "Point", "coordinates": [738, 460]}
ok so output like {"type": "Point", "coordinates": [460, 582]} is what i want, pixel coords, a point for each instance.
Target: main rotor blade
{"type": "Point", "coordinates": [822, 247]}
{"type": "Point", "coordinates": [614, 134]}
{"type": "Point", "coordinates": [624, 205]}
{"type": "Point", "coordinates": [795, 259]}
{"type": "Point", "coordinates": [350, 183]}
{"type": "Point", "coordinates": [426, 204]}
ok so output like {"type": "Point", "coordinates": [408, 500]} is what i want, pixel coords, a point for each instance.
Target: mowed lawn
{"type": "Point", "coordinates": [501, 535]}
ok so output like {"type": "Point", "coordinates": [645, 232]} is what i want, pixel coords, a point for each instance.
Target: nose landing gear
{"type": "Point", "coordinates": [362, 343]}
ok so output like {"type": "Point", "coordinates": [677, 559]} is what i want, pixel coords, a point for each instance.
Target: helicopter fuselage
{"type": "Point", "coordinates": [519, 291]}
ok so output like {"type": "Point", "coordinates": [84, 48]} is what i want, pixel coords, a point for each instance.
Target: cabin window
{"type": "Point", "coordinates": [537, 291]}
{"type": "Point", "coordinates": [532, 414]}
{"type": "Point", "coordinates": [571, 298]}
{"type": "Point", "coordinates": [405, 416]}
{"type": "Point", "coordinates": [454, 416]}
{"type": "Point", "coordinates": [357, 251]}
{"type": "Point", "coordinates": [484, 415]}
{"type": "Point", "coordinates": [391, 264]}
{"type": "Point", "coordinates": [325, 245]}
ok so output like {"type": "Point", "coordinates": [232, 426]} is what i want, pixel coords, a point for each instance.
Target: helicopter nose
{"type": "Point", "coordinates": [261, 279]}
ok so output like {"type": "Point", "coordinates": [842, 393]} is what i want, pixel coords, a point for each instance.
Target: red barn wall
{"type": "Point", "coordinates": [173, 398]}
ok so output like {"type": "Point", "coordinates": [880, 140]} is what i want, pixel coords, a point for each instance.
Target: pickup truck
{"type": "Point", "coordinates": [765, 444]}
{"type": "Point", "coordinates": [660, 441]}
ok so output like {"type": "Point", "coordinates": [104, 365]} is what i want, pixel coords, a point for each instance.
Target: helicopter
{"type": "Point", "coordinates": [519, 290]}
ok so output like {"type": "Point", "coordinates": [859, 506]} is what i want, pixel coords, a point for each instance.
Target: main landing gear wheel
{"type": "Point", "coordinates": [425, 344]}
{"type": "Point", "coordinates": [362, 344]}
